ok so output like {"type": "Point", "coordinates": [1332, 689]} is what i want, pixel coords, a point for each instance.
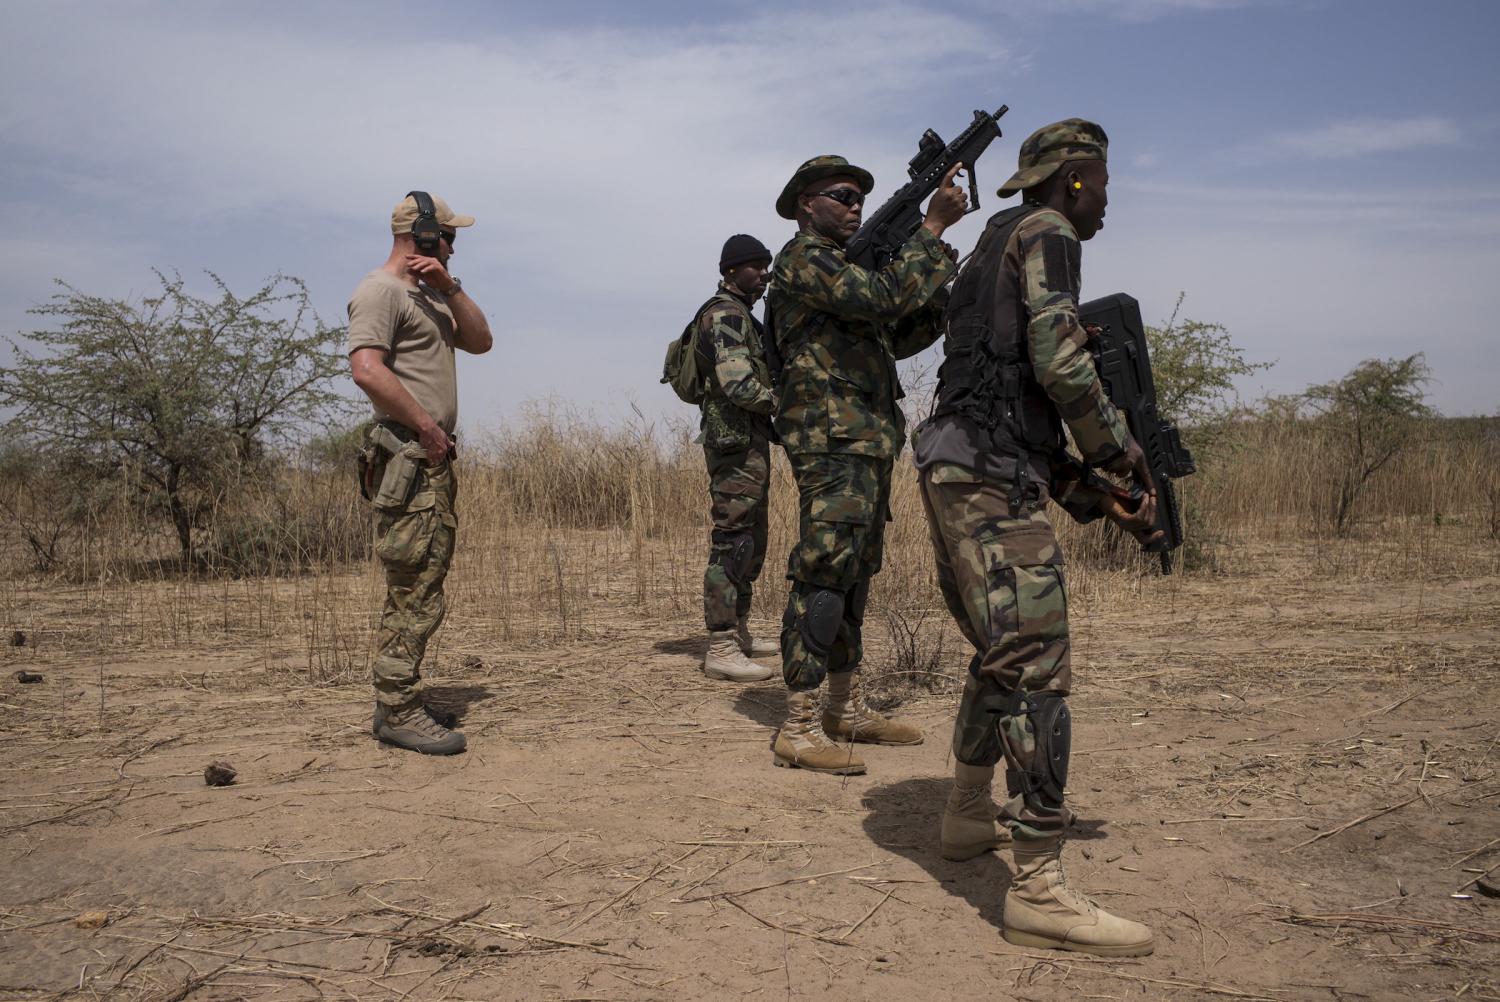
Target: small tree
{"type": "Point", "coordinates": [1372, 413]}
{"type": "Point", "coordinates": [1194, 365]}
{"type": "Point", "coordinates": [174, 396]}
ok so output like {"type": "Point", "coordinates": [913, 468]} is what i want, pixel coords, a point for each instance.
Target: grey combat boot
{"type": "Point", "coordinates": [412, 727]}
{"type": "Point", "coordinates": [750, 646]}
{"type": "Point", "coordinates": [849, 718]}
{"type": "Point", "coordinates": [801, 743]}
{"type": "Point", "coordinates": [1042, 911]}
{"type": "Point", "coordinates": [970, 825]}
{"type": "Point", "coordinates": [725, 660]}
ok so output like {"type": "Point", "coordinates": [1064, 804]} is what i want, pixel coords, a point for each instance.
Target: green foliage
{"type": "Point", "coordinates": [176, 397]}
{"type": "Point", "coordinates": [334, 449]}
{"type": "Point", "coordinates": [1194, 365]}
{"type": "Point", "coordinates": [290, 521]}
{"type": "Point", "coordinates": [1371, 415]}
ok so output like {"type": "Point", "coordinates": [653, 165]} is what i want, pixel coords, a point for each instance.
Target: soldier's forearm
{"type": "Point", "coordinates": [472, 332]}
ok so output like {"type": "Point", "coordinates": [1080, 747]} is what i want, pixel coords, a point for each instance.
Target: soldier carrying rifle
{"type": "Point", "coordinates": [1016, 368]}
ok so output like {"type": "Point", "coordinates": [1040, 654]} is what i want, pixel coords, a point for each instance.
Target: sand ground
{"type": "Point", "coordinates": [1294, 781]}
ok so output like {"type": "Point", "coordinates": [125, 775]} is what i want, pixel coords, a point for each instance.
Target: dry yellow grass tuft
{"type": "Point", "coordinates": [564, 519]}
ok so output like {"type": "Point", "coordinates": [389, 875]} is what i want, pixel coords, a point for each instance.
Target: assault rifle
{"type": "Point", "coordinates": [1118, 343]}
{"type": "Point", "coordinates": [887, 230]}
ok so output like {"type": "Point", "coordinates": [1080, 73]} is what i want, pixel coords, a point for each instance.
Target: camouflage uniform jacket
{"type": "Point", "coordinates": [840, 329]}
{"type": "Point", "coordinates": [1055, 339]}
{"type": "Point", "coordinates": [1042, 261]}
{"type": "Point", "coordinates": [737, 402]}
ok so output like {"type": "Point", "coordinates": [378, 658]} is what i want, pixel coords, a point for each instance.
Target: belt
{"type": "Point", "coordinates": [405, 434]}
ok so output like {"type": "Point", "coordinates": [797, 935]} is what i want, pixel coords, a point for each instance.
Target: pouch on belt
{"type": "Point", "coordinates": [402, 464]}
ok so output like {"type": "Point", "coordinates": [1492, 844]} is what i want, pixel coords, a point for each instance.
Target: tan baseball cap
{"type": "Point", "coordinates": [405, 213]}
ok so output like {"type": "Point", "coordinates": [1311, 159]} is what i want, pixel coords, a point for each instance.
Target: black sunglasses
{"type": "Point", "coordinates": [843, 196]}
{"type": "Point", "coordinates": [450, 237]}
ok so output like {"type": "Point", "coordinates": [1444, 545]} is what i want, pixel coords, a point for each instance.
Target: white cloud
{"type": "Point", "coordinates": [605, 165]}
{"type": "Point", "coordinates": [1360, 137]}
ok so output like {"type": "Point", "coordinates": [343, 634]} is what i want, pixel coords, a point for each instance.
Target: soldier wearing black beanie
{"type": "Point", "coordinates": [741, 248]}
{"type": "Point", "coordinates": [738, 401]}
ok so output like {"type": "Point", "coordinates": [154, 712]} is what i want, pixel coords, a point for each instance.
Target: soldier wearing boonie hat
{"type": "Point", "coordinates": [405, 320]}
{"type": "Point", "coordinates": [1016, 369]}
{"type": "Point", "coordinates": [839, 330]}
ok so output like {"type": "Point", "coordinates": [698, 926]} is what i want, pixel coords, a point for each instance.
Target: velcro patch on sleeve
{"type": "Point", "coordinates": [1059, 261]}
{"type": "Point", "coordinates": [826, 263]}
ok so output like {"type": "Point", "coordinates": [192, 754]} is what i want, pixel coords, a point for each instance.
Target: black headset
{"type": "Point", "coordinates": [425, 230]}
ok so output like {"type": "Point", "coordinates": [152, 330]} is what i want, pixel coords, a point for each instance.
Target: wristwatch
{"type": "Point", "coordinates": [457, 286]}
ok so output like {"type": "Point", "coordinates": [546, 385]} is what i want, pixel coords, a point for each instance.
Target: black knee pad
{"type": "Point", "coordinates": [1052, 730]}
{"type": "Point", "coordinates": [821, 620]}
{"type": "Point", "coordinates": [735, 553]}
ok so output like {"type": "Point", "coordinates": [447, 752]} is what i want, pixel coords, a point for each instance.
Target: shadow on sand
{"type": "Point", "coordinates": [454, 701]}
{"type": "Point", "coordinates": [696, 645]}
{"type": "Point", "coordinates": [764, 703]}
{"type": "Point", "coordinates": [905, 818]}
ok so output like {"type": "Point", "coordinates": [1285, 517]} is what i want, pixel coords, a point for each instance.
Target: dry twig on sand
{"type": "Point", "coordinates": [766, 887]}
{"type": "Point", "coordinates": [1350, 824]}
{"type": "Point", "coordinates": [1337, 919]}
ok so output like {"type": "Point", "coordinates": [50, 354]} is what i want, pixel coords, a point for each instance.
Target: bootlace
{"type": "Point", "coordinates": [417, 719]}
{"type": "Point", "coordinates": [1063, 885]}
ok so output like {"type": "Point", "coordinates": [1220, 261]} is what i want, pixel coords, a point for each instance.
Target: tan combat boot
{"type": "Point", "coordinates": [1042, 911]}
{"type": "Point", "coordinates": [970, 825]}
{"type": "Point", "coordinates": [724, 660]}
{"type": "Point", "coordinates": [848, 718]}
{"type": "Point", "coordinates": [801, 743]}
{"type": "Point", "coordinates": [751, 647]}
{"type": "Point", "coordinates": [412, 727]}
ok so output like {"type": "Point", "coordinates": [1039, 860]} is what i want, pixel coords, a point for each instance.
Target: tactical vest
{"type": "Point", "coordinates": [986, 375]}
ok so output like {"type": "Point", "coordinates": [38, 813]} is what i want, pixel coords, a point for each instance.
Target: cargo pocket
{"type": "Point", "coordinates": [851, 413]}
{"type": "Point", "coordinates": [828, 555]}
{"type": "Point", "coordinates": [403, 539]}
{"type": "Point", "coordinates": [1028, 627]}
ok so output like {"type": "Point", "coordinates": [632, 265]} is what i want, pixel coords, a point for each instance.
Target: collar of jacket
{"type": "Point", "coordinates": [734, 291]}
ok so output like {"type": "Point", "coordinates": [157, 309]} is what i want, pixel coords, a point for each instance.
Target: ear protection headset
{"type": "Point", "coordinates": [425, 229]}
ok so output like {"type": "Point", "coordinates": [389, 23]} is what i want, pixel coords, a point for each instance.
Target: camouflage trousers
{"type": "Point", "coordinates": [1000, 571]}
{"type": "Point", "coordinates": [738, 485]}
{"type": "Point", "coordinates": [415, 545]}
{"type": "Point", "coordinates": [843, 505]}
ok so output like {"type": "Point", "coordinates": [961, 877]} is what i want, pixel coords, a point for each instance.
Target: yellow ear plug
{"type": "Point", "coordinates": [1077, 185]}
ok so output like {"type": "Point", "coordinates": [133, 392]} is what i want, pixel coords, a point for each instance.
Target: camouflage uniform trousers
{"type": "Point", "coordinates": [738, 486]}
{"type": "Point", "coordinates": [1000, 571]}
{"type": "Point", "coordinates": [415, 545]}
{"type": "Point", "coordinates": [843, 503]}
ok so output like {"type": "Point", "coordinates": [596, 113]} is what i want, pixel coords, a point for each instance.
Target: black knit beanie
{"type": "Point", "coordinates": [742, 249]}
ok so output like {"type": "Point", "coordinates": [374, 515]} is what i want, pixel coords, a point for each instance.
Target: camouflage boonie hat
{"type": "Point", "coordinates": [819, 167]}
{"type": "Point", "coordinates": [1051, 146]}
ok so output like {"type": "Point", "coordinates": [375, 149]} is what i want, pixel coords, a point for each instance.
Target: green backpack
{"type": "Point", "coordinates": [682, 368]}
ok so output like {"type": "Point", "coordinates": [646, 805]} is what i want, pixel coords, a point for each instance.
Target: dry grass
{"type": "Point", "coordinates": [563, 520]}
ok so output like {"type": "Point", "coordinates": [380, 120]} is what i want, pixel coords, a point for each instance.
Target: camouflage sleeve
{"type": "Point", "coordinates": [921, 329]}
{"type": "Point", "coordinates": [1050, 257]}
{"type": "Point", "coordinates": [733, 370]}
{"type": "Point", "coordinates": [826, 280]}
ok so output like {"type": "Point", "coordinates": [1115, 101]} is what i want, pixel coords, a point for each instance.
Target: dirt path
{"type": "Point", "coordinates": [1289, 782]}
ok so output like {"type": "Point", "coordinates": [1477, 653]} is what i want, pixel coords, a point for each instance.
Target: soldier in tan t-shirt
{"type": "Point", "coordinates": [405, 320]}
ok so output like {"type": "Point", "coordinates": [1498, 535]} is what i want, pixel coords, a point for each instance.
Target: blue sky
{"type": "Point", "coordinates": [1317, 175]}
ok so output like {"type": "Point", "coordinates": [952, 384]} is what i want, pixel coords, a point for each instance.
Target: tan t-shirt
{"type": "Point", "coordinates": [415, 327]}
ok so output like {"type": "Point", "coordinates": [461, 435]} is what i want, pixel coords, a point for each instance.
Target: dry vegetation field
{"type": "Point", "coordinates": [1286, 758]}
